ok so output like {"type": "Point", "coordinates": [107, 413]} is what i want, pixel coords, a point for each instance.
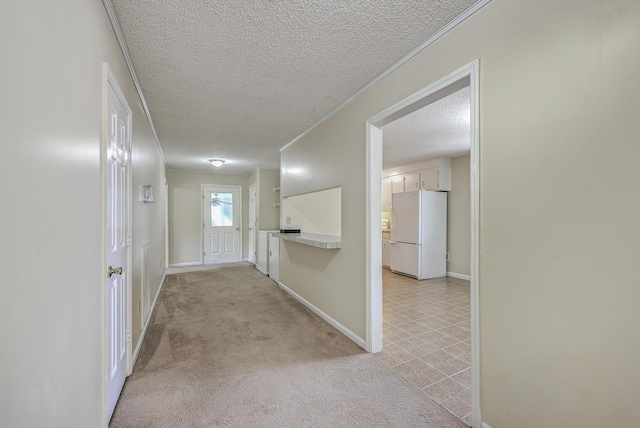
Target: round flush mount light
{"type": "Point", "coordinates": [217, 162]}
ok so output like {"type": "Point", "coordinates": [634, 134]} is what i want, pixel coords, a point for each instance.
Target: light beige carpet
{"type": "Point", "coordinates": [228, 348]}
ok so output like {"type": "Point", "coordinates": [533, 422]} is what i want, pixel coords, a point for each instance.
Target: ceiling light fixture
{"type": "Point", "coordinates": [217, 162]}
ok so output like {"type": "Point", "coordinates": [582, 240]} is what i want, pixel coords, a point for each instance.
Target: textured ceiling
{"type": "Point", "coordinates": [240, 79]}
{"type": "Point", "coordinates": [439, 129]}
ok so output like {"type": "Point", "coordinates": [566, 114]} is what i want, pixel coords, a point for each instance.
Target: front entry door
{"type": "Point", "coordinates": [222, 224]}
{"type": "Point", "coordinates": [118, 190]}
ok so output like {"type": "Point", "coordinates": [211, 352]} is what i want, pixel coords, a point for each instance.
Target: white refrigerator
{"type": "Point", "coordinates": [419, 234]}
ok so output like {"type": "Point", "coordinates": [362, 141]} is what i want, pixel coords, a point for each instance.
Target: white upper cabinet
{"type": "Point", "coordinates": [412, 181]}
{"type": "Point", "coordinates": [431, 174]}
{"type": "Point", "coordinates": [397, 184]}
{"type": "Point", "coordinates": [436, 179]}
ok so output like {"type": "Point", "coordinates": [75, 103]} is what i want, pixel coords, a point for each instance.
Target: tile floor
{"type": "Point", "coordinates": [427, 337]}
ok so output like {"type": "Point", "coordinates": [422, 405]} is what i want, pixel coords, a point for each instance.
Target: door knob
{"type": "Point", "coordinates": [117, 271]}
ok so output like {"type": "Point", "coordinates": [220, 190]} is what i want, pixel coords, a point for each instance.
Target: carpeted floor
{"type": "Point", "coordinates": [228, 348]}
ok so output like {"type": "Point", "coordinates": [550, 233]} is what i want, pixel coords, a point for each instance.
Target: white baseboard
{"type": "Point", "coordinates": [459, 276]}
{"type": "Point", "coordinates": [485, 425]}
{"type": "Point", "coordinates": [185, 264]}
{"type": "Point", "coordinates": [342, 329]}
{"type": "Point", "coordinates": [136, 352]}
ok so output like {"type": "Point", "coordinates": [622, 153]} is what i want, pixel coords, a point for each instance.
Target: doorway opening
{"type": "Point", "coordinates": [465, 77]}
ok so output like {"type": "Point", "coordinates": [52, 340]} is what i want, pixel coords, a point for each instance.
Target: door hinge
{"type": "Point", "coordinates": [128, 335]}
{"type": "Point", "coordinates": [129, 144]}
{"type": "Point", "coordinates": [128, 239]}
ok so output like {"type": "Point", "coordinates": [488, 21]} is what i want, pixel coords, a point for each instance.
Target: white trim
{"type": "Point", "coordinates": [459, 276]}
{"type": "Point", "coordinates": [166, 221]}
{"type": "Point", "coordinates": [117, 31]}
{"type": "Point", "coordinates": [342, 329]}
{"type": "Point", "coordinates": [185, 264]}
{"type": "Point", "coordinates": [373, 245]}
{"type": "Point", "coordinates": [143, 334]}
{"type": "Point", "coordinates": [474, 85]}
{"type": "Point", "coordinates": [465, 76]}
{"type": "Point", "coordinates": [431, 40]}
{"type": "Point", "coordinates": [485, 425]}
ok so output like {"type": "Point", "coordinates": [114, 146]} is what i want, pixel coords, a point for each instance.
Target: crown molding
{"type": "Point", "coordinates": [117, 30]}
{"type": "Point", "coordinates": [431, 40]}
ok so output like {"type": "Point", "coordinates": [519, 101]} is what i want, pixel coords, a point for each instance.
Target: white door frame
{"type": "Point", "coordinates": [465, 76]}
{"type": "Point", "coordinates": [109, 80]}
{"type": "Point", "coordinates": [253, 227]}
{"type": "Point", "coordinates": [222, 186]}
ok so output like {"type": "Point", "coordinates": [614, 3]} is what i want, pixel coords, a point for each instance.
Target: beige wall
{"type": "Point", "coordinates": [316, 212]}
{"type": "Point", "coordinates": [52, 300]}
{"type": "Point", "coordinates": [185, 218]}
{"type": "Point", "coordinates": [559, 206]}
{"type": "Point", "coordinates": [268, 214]}
{"type": "Point", "coordinates": [459, 218]}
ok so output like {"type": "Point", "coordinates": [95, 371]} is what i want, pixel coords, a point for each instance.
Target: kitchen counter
{"type": "Point", "coordinates": [326, 242]}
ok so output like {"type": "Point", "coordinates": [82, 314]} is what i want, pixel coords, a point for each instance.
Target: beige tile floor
{"type": "Point", "coordinates": [427, 337]}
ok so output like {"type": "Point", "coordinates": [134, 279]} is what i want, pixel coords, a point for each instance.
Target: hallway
{"type": "Point", "coordinates": [228, 347]}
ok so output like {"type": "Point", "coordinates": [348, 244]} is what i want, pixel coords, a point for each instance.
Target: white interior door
{"type": "Point", "coordinates": [252, 223]}
{"type": "Point", "coordinates": [222, 224]}
{"type": "Point", "coordinates": [118, 241]}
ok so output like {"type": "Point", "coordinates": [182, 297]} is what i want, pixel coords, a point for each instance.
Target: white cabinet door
{"type": "Point", "coordinates": [397, 184]}
{"type": "Point", "coordinates": [274, 258]}
{"type": "Point", "coordinates": [429, 179]}
{"type": "Point", "coordinates": [436, 179]}
{"type": "Point", "coordinates": [386, 194]}
{"type": "Point", "coordinates": [412, 182]}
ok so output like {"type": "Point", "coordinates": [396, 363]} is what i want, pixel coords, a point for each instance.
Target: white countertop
{"type": "Point", "coordinates": [326, 242]}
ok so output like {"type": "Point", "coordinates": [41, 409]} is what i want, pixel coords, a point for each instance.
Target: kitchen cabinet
{"type": "Point", "coordinates": [397, 184]}
{"type": "Point", "coordinates": [274, 258]}
{"type": "Point", "coordinates": [386, 194]}
{"type": "Point", "coordinates": [436, 179]}
{"type": "Point", "coordinates": [412, 182]}
{"type": "Point", "coordinates": [386, 249]}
